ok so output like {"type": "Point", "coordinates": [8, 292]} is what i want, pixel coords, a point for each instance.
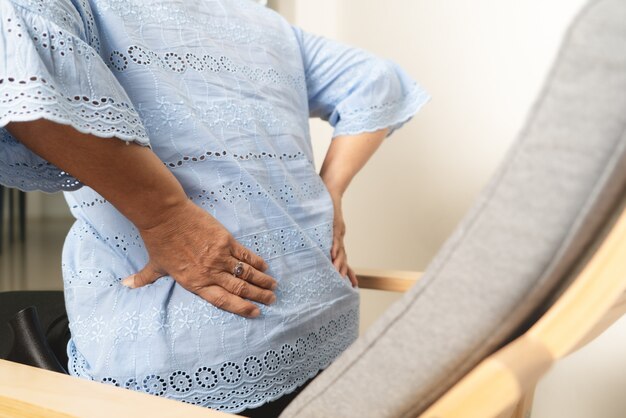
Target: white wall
{"type": "Point", "coordinates": [483, 61]}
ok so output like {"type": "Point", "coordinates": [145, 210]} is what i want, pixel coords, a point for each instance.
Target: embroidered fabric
{"type": "Point", "coordinates": [219, 27]}
{"type": "Point", "coordinates": [390, 115]}
{"type": "Point", "coordinates": [251, 116]}
{"type": "Point", "coordinates": [30, 172]}
{"type": "Point", "coordinates": [34, 97]}
{"type": "Point", "coordinates": [371, 95]}
{"type": "Point", "coordinates": [243, 383]}
{"type": "Point", "coordinates": [47, 69]}
{"type": "Point", "coordinates": [135, 54]}
{"type": "Point", "coordinates": [224, 90]}
{"type": "Point", "coordinates": [249, 377]}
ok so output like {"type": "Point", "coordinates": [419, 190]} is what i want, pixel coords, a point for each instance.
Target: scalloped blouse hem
{"type": "Point", "coordinates": [233, 386]}
{"type": "Point", "coordinates": [89, 131]}
{"type": "Point", "coordinates": [393, 116]}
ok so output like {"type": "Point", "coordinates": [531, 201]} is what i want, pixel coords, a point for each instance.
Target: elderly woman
{"type": "Point", "coordinates": [206, 263]}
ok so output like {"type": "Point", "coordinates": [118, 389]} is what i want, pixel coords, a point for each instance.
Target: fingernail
{"type": "Point", "coordinates": [273, 299]}
{"type": "Point", "coordinates": [275, 286]}
{"type": "Point", "coordinates": [129, 281]}
{"type": "Point", "coordinates": [256, 312]}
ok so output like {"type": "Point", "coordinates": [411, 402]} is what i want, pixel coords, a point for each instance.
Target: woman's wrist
{"type": "Point", "coordinates": [152, 216]}
{"type": "Point", "coordinates": [335, 196]}
{"type": "Point", "coordinates": [335, 189]}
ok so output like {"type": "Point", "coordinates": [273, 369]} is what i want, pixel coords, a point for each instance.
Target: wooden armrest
{"type": "Point", "coordinates": [390, 280]}
{"type": "Point", "coordinates": [30, 392]}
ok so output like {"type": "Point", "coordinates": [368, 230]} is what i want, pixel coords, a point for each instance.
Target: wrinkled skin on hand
{"type": "Point", "coordinates": [197, 251]}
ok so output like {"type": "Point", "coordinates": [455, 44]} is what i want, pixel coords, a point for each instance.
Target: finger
{"type": "Point", "coordinates": [340, 261]}
{"type": "Point", "coordinates": [241, 253]}
{"type": "Point", "coordinates": [254, 276]}
{"type": "Point", "coordinates": [353, 279]}
{"type": "Point", "coordinates": [222, 299]}
{"type": "Point", "coordinates": [245, 290]}
{"type": "Point", "coordinates": [337, 264]}
{"type": "Point", "coordinates": [335, 249]}
{"type": "Point", "coordinates": [343, 270]}
{"type": "Point", "coordinates": [145, 276]}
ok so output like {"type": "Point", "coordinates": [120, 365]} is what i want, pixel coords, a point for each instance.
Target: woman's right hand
{"type": "Point", "coordinates": [200, 254]}
{"type": "Point", "coordinates": [182, 240]}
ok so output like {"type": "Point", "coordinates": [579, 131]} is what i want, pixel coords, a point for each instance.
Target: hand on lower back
{"type": "Point", "coordinates": [201, 255]}
{"type": "Point", "coordinates": [338, 250]}
{"type": "Point", "coordinates": [182, 240]}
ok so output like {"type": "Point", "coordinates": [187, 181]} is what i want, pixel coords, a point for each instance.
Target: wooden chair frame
{"type": "Point", "coordinates": [501, 386]}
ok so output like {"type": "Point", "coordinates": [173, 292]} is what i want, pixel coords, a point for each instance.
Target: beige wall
{"type": "Point", "coordinates": [483, 61]}
{"type": "Point", "coordinates": [426, 175]}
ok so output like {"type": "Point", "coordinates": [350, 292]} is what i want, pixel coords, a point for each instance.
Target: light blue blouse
{"type": "Point", "coordinates": [222, 91]}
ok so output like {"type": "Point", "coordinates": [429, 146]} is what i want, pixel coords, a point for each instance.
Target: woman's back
{"type": "Point", "coordinates": [223, 100]}
{"type": "Point", "coordinates": [224, 90]}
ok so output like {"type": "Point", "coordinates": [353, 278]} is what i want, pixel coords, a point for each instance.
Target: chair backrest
{"type": "Point", "coordinates": [498, 386]}
{"type": "Point", "coordinates": [518, 246]}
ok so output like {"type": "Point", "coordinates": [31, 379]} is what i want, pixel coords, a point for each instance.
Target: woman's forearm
{"type": "Point", "coordinates": [345, 158]}
{"type": "Point", "coordinates": [129, 176]}
{"type": "Point", "coordinates": [182, 240]}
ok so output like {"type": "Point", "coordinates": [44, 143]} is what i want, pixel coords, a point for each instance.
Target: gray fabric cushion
{"type": "Point", "coordinates": [557, 187]}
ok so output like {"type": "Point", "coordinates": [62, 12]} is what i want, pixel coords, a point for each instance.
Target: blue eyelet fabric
{"type": "Point", "coordinates": [221, 91]}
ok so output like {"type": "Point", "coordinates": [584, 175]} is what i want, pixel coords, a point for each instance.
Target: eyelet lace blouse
{"type": "Point", "coordinates": [222, 91]}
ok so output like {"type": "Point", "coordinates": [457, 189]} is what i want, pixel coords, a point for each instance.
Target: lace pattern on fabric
{"type": "Point", "coordinates": [62, 13]}
{"type": "Point", "coordinates": [233, 386]}
{"type": "Point", "coordinates": [49, 30]}
{"type": "Point", "coordinates": [165, 115]}
{"type": "Point", "coordinates": [282, 241]}
{"type": "Point", "coordinates": [268, 245]}
{"type": "Point", "coordinates": [34, 97]}
{"type": "Point", "coordinates": [218, 28]}
{"type": "Point", "coordinates": [181, 62]}
{"type": "Point", "coordinates": [390, 115]}
{"type": "Point", "coordinates": [31, 174]}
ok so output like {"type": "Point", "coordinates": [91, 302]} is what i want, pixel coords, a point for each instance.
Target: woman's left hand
{"type": "Point", "coordinates": [338, 250]}
{"type": "Point", "coordinates": [346, 155]}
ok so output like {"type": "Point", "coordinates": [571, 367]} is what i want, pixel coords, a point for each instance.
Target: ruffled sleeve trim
{"type": "Point", "coordinates": [390, 115]}
{"type": "Point", "coordinates": [48, 70]}
{"type": "Point", "coordinates": [34, 98]}
{"type": "Point", "coordinates": [33, 173]}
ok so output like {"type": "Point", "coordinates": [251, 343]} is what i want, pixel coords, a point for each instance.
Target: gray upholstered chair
{"type": "Point", "coordinates": [519, 246]}
{"type": "Point", "coordinates": [551, 216]}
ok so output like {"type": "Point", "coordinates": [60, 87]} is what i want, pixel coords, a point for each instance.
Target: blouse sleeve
{"type": "Point", "coordinates": [354, 90]}
{"type": "Point", "coordinates": [50, 68]}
